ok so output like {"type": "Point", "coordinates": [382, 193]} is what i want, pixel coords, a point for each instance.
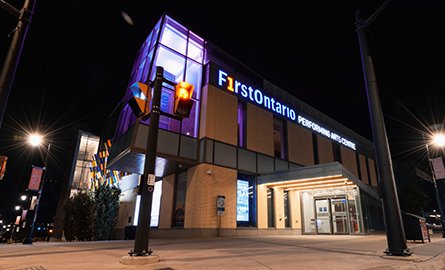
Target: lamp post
{"type": "Point", "coordinates": [16, 208]}
{"type": "Point", "coordinates": [395, 232]}
{"type": "Point", "coordinates": [438, 140]}
{"type": "Point", "coordinates": [36, 140]}
{"type": "Point", "coordinates": [13, 56]}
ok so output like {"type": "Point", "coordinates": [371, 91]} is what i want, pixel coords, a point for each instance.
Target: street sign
{"type": "Point", "coordinates": [220, 204]}
{"type": "Point", "coordinates": [438, 168]}
{"type": "Point", "coordinates": [151, 180]}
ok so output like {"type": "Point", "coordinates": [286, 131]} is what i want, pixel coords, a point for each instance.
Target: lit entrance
{"type": "Point", "coordinates": [323, 199]}
{"type": "Point", "coordinates": [331, 211]}
{"type": "Point", "coordinates": [331, 216]}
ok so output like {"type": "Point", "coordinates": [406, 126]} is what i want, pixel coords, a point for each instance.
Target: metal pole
{"type": "Point", "coordinates": [28, 239]}
{"type": "Point", "coordinates": [13, 55]}
{"type": "Point", "coordinates": [148, 178]}
{"type": "Point", "coordinates": [12, 233]}
{"type": "Point", "coordinates": [394, 227]}
{"type": "Point", "coordinates": [436, 188]}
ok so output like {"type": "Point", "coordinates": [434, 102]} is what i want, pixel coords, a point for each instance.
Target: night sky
{"type": "Point", "coordinates": [78, 57]}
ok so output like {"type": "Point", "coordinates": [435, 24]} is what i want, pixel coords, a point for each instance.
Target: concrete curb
{"type": "Point", "coordinates": [139, 260]}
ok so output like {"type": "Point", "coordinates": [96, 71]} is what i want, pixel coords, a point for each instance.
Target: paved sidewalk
{"type": "Point", "coordinates": [256, 252]}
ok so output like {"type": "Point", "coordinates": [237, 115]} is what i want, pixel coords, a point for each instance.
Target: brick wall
{"type": "Point", "coordinates": [204, 183]}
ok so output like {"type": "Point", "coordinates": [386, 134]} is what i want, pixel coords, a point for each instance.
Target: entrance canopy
{"type": "Point", "coordinates": [315, 177]}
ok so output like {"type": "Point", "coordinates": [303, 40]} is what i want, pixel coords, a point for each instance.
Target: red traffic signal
{"type": "Point", "coordinates": [141, 99]}
{"type": "Point", "coordinates": [183, 99]}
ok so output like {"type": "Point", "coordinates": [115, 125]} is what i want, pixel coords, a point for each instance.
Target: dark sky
{"type": "Point", "coordinates": [78, 57]}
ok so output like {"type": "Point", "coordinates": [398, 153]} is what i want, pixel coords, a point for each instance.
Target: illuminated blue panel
{"type": "Point", "coordinates": [242, 200]}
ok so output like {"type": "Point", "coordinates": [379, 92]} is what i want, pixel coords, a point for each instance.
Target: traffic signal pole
{"type": "Point", "coordinates": [183, 104]}
{"type": "Point", "coordinates": [141, 243]}
{"type": "Point", "coordinates": [393, 220]}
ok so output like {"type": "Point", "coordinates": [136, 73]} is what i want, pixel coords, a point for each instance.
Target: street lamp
{"type": "Point", "coordinates": [17, 220]}
{"type": "Point", "coordinates": [36, 140]}
{"type": "Point", "coordinates": [7, 75]}
{"type": "Point", "coordinates": [437, 140]}
{"type": "Point", "coordinates": [395, 231]}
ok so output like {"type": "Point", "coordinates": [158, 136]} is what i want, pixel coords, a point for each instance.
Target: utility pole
{"type": "Point", "coordinates": [13, 55]}
{"type": "Point", "coordinates": [393, 220]}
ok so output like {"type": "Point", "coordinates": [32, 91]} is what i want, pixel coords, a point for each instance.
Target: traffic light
{"type": "Point", "coordinates": [141, 99]}
{"type": "Point", "coordinates": [183, 99]}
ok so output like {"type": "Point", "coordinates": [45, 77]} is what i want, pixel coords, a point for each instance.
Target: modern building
{"type": "Point", "coordinates": [273, 164]}
{"type": "Point", "coordinates": [85, 146]}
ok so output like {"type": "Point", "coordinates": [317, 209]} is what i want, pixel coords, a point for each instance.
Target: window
{"type": "Point", "coordinates": [286, 209]}
{"type": "Point", "coordinates": [245, 201]}
{"type": "Point", "coordinates": [336, 151]}
{"type": "Point", "coordinates": [241, 124]}
{"type": "Point", "coordinates": [180, 52]}
{"type": "Point", "coordinates": [155, 207]}
{"type": "Point", "coordinates": [156, 204]}
{"type": "Point", "coordinates": [315, 148]}
{"type": "Point", "coordinates": [195, 49]}
{"type": "Point", "coordinates": [278, 138]}
{"type": "Point", "coordinates": [180, 190]}
{"type": "Point", "coordinates": [270, 208]}
{"type": "Point", "coordinates": [173, 64]}
{"type": "Point", "coordinates": [174, 36]}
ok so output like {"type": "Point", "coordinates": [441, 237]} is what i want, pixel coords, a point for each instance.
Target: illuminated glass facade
{"type": "Point", "coordinates": [88, 146]}
{"type": "Point", "coordinates": [181, 53]}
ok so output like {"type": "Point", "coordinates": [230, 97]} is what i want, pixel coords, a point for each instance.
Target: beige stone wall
{"type": "Point", "coordinates": [300, 147]}
{"type": "Point", "coordinates": [372, 172]}
{"type": "Point", "coordinates": [262, 206]}
{"type": "Point", "coordinates": [279, 208]}
{"type": "Point", "coordinates": [325, 152]}
{"type": "Point", "coordinates": [219, 115]}
{"type": "Point", "coordinates": [295, 209]}
{"type": "Point", "coordinates": [363, 171]}
{"type": "Point", "coordinates": [348, 160]}
{"type": "Point", "coordinates": [259, 130]}
{"type": "Point", "coordinates": [202, 191]}
{"type": "Point", "coordinates": [167, 200]}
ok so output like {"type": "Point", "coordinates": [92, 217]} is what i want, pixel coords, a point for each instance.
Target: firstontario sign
{"type": "Point", "coordinates": [257, 96]}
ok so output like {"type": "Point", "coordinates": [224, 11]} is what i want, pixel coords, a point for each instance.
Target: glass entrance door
{"type": "Point", "coordinates": [339, 216]}
{"type": "Point", "coordinates": [331, 216]}
{"type": "Point", "coordinates": [323, 216]}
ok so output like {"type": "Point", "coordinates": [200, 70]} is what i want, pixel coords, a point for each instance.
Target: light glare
{"type": "Point", "coordinates": [35, 139]}
{"type": "Point", "coordinates": [439, 140]}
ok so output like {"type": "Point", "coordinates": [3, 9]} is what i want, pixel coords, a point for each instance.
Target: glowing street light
{"type": "Point", "coordinates": [438, 140]}
{"type": "Point", "coordinates": [23, 197]}
{"type": "Point", "coordinates": [36, 140]}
